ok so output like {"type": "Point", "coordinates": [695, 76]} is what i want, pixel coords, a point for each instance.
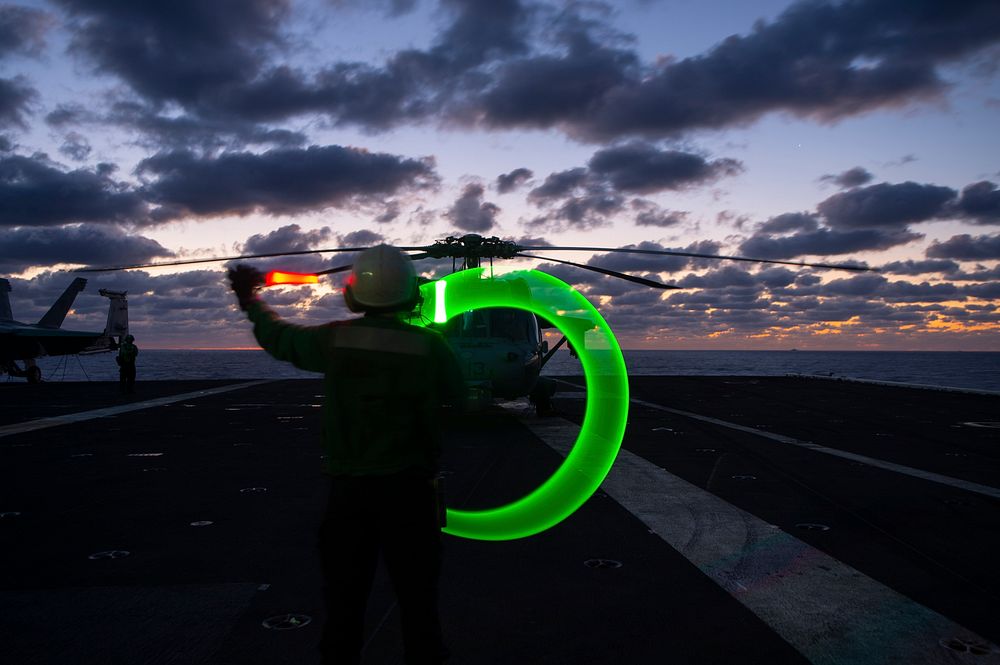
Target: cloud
{"type": "Point", "coordinates": [966, 248]}
{"type": "Point", "coordinates": [183, 51]}
{"type": "Point", "coordinates": [911, 267]}
{"type": "Point", "coordinates": [508, 182]}
{"type": "Point", "coordinates": [651, 214]}
{"type": "Point", "coordinates": [157, 131]}
{"type": "Point", "coordinates": [718, 278]}
{"type": "Point", "coordinates": [184, 131]}
{"type": "Point", "coordinates": [886, 205]}
{"type": "Point", "coordinates": [587, 211]}
{"type": "Point", "coordinates": [279, 181]}
{"type": "Point", "coordinates": [360, 238]}
{"type": "Point", "coordinates": [290, 238]}
{"type": "Point", "coordinates": [89, 244]}
{"type": "Point", "coordinates": [16, 96]}
{"type": "Point", "coordinates": [900, 291]}
{"type": "Point", "coordinates": [790, 221]}
{"type": "Point", "coordinates": [824, 242]}
{"type": "Point", "coordinates": [483, 31]}
{"type": "Point", "coordinates": [219, 61]}
{"type": "Point", "coordinates": [877, 217]}
{"type": "Point", "coordinates": [816, 59]}
{"type": "Point", "coordinates": [69, 114]}
{"type": "Point", "coordinates": [776, 277]}
{"type": "Point", "coordinates": [628, 262]}
{"type": "Point", "coordinates": [980, 203]}
{"type": "Point", "coordinates": [633, 168]}
{"type": "Point", "coordinates": [390, 212]}
{"type": "Point", "coordinates": [587, 197]}
{"type": "Point", "coordinates": [389, 7]}
{"type": "Point", "coordinates": [980, 274]}
{"type": "Point", "coordinates": [22, 30]}
{"type": "Point", "coordinates": [35, 192]}
{"type": "Point", "coordinates": [642, 168]}
{"type": "Point", "coordinates": [854, 177]}
{"type": "Point", "coordinates": [989, 291]}
{"type": "Point", "coordinates": [560, 184]}
{"type": "Point", "coordinates": [549, 90]}
{"type": "Point", "coordinates": [471, 213]}
{"type": "Point", "coordinates": [76, 147]}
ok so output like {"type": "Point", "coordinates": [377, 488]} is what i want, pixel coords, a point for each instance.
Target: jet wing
{"type": "Point", "coordinates": [24, 342]}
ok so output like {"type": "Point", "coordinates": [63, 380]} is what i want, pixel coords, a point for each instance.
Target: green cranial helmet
{"type": "Point", "coordinates": [129, 338]}
{"type": "Point", "coordinates": [382, 278]}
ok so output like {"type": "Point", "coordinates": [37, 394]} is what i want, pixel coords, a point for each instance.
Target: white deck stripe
{"type": "Point", "coordinates": [831, 613]}
{"type": "Point", "coordinates": [957, 483]}
{"type": "Point", "coordinates": [898, 384]}
{"type": "Point", "coordinates": [56, 421]}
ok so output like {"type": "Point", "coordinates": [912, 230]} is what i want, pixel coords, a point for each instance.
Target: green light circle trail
{"type": "Point", "coordinates": [582, 472]}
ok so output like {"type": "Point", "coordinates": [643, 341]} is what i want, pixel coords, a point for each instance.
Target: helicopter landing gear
{"type": "Point", "coordinates": [541, 397]}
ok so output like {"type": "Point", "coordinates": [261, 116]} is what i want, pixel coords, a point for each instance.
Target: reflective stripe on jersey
{"type": "Point", "coordinates": [385, 340]}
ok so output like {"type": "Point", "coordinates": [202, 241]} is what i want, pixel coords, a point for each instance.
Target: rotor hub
{"type": "Point", "coordinates": [473, 246]}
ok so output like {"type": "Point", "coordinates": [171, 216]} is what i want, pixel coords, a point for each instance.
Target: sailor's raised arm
{"type": "Point", "coordinates": [303, 346]}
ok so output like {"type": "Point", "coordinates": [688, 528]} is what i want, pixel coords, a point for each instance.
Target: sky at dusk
{"type": "Point", "coordinates": [865, 131]}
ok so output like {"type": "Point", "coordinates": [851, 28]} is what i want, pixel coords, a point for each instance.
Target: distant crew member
{"type": "Point", "coordinates": [127, 352]}
{"type": "Point", "coordinates": [386, 381]}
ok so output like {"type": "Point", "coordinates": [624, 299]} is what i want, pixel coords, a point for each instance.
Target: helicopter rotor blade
{"type": "Point", "coordinates": [331, 271]}
{"type": "Point", "coordinates": [186, 262]}
{"type": "Point", "coordinates": [604, 271]}
{"type": "Point", "coordinates": [667, 252]}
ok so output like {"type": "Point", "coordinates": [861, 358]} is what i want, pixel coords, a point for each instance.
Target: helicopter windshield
{"type": "Point", "coordinates": [507, 323]}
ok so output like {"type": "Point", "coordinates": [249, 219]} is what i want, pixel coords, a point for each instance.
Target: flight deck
{"type": "Point", "coordinates": [747, 520]}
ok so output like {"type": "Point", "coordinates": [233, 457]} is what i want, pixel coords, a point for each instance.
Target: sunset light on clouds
{"type": "Point", "coordinates": [862, 131]}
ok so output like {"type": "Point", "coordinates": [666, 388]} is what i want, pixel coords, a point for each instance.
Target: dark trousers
{"type": "Point", "coordinates": [395, 515]}
{"type": "Point", "coordinates": [126, 377]}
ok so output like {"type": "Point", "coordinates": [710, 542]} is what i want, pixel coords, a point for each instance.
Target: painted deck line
{"type": "Point", "coordinates": [898, 384]}
{"type": "Point", "coordinates": [957, 483]}
{"type": "Point", "coordinates": [831, 613]}
{"type": "Point", "coordinates": [56, 421]}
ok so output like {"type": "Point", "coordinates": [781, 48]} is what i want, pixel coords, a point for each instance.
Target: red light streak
{"type": "Point", "coordinates": [276, 277]}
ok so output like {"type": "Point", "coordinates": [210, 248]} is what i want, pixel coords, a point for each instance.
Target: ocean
{"type": "Point", "coordinates": [968, 370]}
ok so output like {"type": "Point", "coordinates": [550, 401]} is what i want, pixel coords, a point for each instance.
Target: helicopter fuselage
{"type": "Point", "coordinates": [500, 350]}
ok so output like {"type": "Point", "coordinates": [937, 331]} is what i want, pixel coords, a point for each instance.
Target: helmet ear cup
{"type": "Point", "coordinates": [351, 301]}
{"type": "Point", "coordinates": [414, 300]}
{"type": "Point", "coordinates": [418, 299]}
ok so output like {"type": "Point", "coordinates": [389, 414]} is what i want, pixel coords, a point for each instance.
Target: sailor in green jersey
{"type": "Point", "coordinates": [127, 352]}
{"type": "Point", "coordinates": [385, 384]}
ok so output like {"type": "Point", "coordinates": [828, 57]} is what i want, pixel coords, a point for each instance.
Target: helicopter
{"type": "Point", "coordinates": [501, 350]}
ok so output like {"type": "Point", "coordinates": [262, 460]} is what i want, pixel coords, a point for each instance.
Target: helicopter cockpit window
{"type": "Point", "coordinates": [476, 323]}
{"type": "Point", "coordinates": [470, 324]}
{"type": "Point", "coordinates": [512, 324]}
{"type": "Point", "coordinates": [508, 323]}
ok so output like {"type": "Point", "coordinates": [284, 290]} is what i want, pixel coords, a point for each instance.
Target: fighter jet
{"type": "Point", "coordinates": [27, 341]}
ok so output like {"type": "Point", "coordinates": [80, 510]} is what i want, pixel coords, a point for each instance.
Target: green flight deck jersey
{"type": "Point", "coordinates": [385, 381]}
{"type": "Point", "coordinates": [127, 353]}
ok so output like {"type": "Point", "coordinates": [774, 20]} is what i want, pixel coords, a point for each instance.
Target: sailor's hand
{"type": "Point", "coordinates": [244, 281]}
